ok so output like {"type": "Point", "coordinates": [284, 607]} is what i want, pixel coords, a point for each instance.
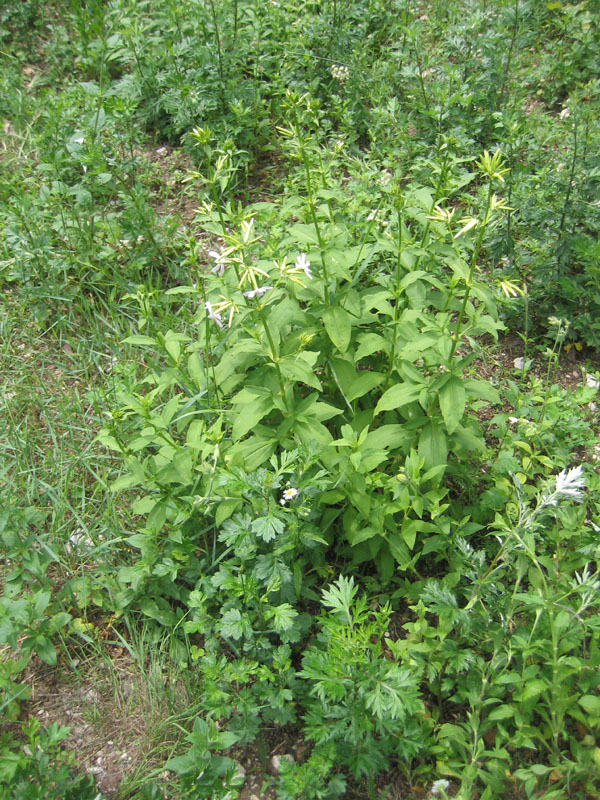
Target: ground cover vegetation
{"type": "Point", "coordinates": [299, 454]}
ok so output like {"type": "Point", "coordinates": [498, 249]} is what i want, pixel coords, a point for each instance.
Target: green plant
{"type": "Point", "coordinates": [200, 770]}
{"type": "Point", "coordinates": [40, 769]}
{"type": "Point", "coordinates": [296, 328]}
{"type": "Point", "coordinates": [365, 704]}
{"type": "Point", "coordinates": [29, 619]}
{"type": "Point", "coordinates": [529, 603]}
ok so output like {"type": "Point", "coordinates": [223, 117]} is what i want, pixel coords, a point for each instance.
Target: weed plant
{"type": "Point", "coordinates": [256, 259]}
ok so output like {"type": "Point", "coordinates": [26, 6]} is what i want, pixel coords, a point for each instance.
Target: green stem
{"type": "Point", "coordinates": [565, 208]}
{"type": "Point", "coordinates": [506, 69]}
{"type": "Point", "coordinates": [274, 355]}
{"type": "Point", "coordinates": [219, 52]}
{"type": "Point", "coordinates": [311, 203]}
{"type": "Point", "coordinates": [397, 299]}
{"type": "Point", "coordinates": [469, 286]}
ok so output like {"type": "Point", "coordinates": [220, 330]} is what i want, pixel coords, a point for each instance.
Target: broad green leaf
{"type": "Point", "coordinates": [364, 383]}
{"type": "Point", "coordinates": [195, 437]}
{"type": "Point", "coordinates": [475, 387]}
{"type": "Point", "coordinates": [158, 609]}
{"type": "Point", "coordinates": [124, 482]}
{"type": "Point", "coordinates": [466, 439]}
{"type": "Point", "coordinates": [303, 234]}
{"type": "Point", "coordinates": [459, 267]}
{"type": "Point", "coordinates": [45, 650]}
{"type": "Point", "coordinates": [249, 415]}
{"type": "Point", "coordinates": [196, 370]}
{"type": "Point", "coordinates": [502, 712]}
{"type": "Point", "coordinates": [433, 445]}
{"type": "Point", "coordinates": [399, 550]}
{"type": "Point", "coordinates": [324, 411]}
{"type": "Point", "coordinates": [387, 437]}
{"type": "Point", "coordinates": [311, 431]}
{"type": "Point", "coordinates": [252, 452]}
{"type": "Point", "coordinates": [590, 703]}
{"type": "Point", "coordinates": [418, 345]}
{"type": "Point", "coordinates": [168, 411]}
{"type": "Point", "coordinates": [533, 688]}
{"type": "Point", "coordinates": [42, 599]}
{"type": "Point", "coordinates": [452, 402]}
{"type": "Point", "coordinates": [338, 263]}
{"type": "Point", "coordinates": [397, 396]}
{"type": "Point", "coordinates": [58, 621]}
{"type": "Point", "coordinates": [370, 343]}
{"type": "Point", "coordinates": [409, 531]}
{"type": "Point", "coordinates": [232, 624]}
{"type": "Point", "coordinates": [178, 470]}
{"type": "Point", "coordinates": [226, 509]}
{"type": "Point", "coordinates": [156, 518]}
{"type": "Point", "coordinates": [173, 348]}
{"type": "Point", "coordinates": [337, 325]}
{"type": "Point", "coordinates": [411, 277]}
{"type": "Point", "coordinates": [344, 373]}
{"type": "Point", "coordinates": [297, 368]}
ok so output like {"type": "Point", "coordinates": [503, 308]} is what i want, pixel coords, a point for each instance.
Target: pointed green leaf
{"type": "Point", "coordinates": [370, 343]}
{"type": "Point", "coordinates": [252, 452]}
{"type": "Point", "coordinates": [147, 340]}
{"type": "Point", "coordinates": [297, 368]}
{"type": "Point", "coordinates": [476, 387]}
{"type": "Point", "coordinates": [226, 509]}
{"type": "Point", "coordinates": [337, 325]}
{"type": "Point", "coordinates": [590, 703]}
{"type": "Point", "coordinates": [502, 712]}
{"type": "Point", "coordinates": [364, 383]}
{"type": "Point", "coordinates": [433, 445]}
{"type": "Point", "coordinates": [45, 650]}
{"type": "Point", "coordinates": [452, 402]}
{"type": "Point", "coordinates": [397, 396]}
{"type": "Point", "coordinates": [249, 415]}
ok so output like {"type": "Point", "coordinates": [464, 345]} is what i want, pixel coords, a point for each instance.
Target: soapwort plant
{"type": "Point", "coordinates": [294, 353]}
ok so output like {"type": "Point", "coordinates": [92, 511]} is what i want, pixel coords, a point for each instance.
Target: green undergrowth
{"type": "Point", "coordinates": [299, 394]}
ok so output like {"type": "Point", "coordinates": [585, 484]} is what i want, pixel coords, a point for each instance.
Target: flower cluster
{"type": "Point", "coordinates": [301, 267]}
{"type": "Point", "coordinates": [340, 73]}
{"type": "Point", "coordinates": [215, 311]}
{"type": "Point", "coordinates": [377, 215]}
{"type": "Point", "coordinates": [221, 259]}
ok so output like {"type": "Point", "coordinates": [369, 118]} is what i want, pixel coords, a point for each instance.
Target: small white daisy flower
{"type": "Point", "coordinates": [288, 494]}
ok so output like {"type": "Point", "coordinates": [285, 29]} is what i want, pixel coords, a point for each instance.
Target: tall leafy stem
{"type": "Point", "coordinates": [293, 101]}
{"type": "Point", "coordinates": [492, 167]}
